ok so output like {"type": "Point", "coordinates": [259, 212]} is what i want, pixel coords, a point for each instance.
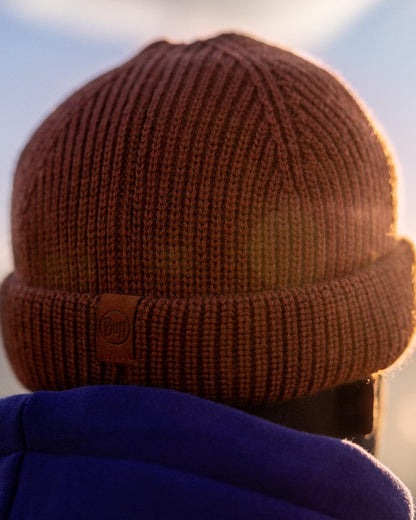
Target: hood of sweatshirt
{"type": "Point", "coordinates": [124, 452]}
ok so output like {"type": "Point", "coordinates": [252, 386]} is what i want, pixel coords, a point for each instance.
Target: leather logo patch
{"type": "Point", "coordinates": [115, 328]}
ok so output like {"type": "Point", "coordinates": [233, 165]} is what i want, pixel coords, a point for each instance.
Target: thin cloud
{"type": "Point", "coordinates": [296, 22]}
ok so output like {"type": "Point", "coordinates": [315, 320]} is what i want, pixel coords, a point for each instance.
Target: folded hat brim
{"type": "Point", "coordinates": [235, 348]}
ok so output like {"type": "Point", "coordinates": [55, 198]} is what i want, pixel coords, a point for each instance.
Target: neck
{"type": "Point", "coordinates": [345, 411]}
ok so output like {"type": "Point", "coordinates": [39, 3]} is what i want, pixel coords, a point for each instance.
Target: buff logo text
{"type": "Point", "coordinates": [115, 327]}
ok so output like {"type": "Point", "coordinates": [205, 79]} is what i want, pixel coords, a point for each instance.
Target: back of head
{"type": "Point", "coordinates": [217, 217]}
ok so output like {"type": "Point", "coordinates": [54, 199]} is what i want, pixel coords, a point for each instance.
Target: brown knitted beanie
{"type": "Point", "coordinates": [217, 217]}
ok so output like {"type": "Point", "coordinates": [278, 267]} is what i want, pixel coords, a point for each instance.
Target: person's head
{"type": "Point", "coordinates": [218, 218]}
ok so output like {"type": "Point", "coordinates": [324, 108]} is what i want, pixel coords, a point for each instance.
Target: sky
{"type": "Point", "coordinates": [298, 22]}
{"type": "Point", "coordinates": [50, 48]}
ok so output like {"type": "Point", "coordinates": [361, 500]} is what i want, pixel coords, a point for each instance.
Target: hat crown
{"type": "Point", "coordinates": [221, 166]}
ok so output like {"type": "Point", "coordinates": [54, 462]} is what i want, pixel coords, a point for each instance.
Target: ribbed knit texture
{"type": "Point", "coordinates": [244, 194]}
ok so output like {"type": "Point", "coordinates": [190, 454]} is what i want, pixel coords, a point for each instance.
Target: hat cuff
{"type": "Point", "coordinates": [237, 348]}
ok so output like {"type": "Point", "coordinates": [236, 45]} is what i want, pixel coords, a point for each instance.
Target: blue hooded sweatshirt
{"type": "Point", "coordinates": [131, 452]}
